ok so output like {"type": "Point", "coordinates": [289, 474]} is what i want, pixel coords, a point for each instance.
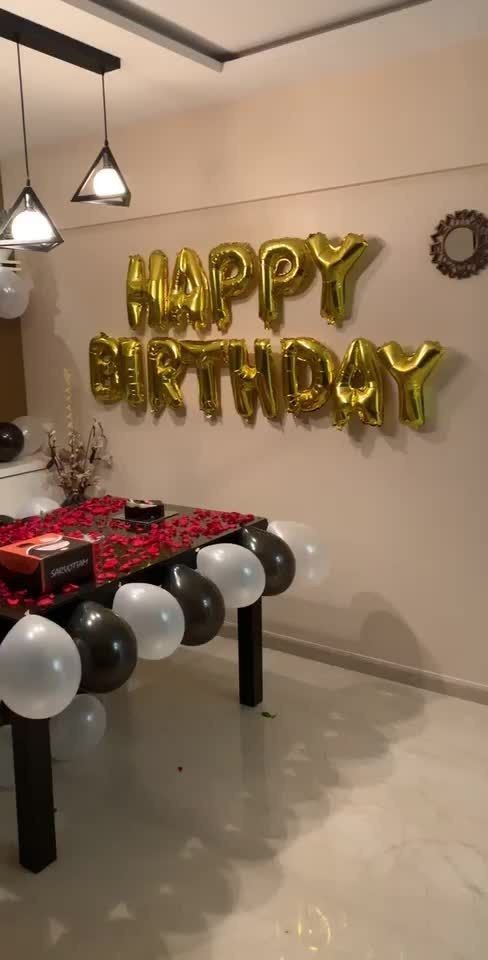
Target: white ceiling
{"type": "Point", "coordinates": [236, 26]}
{"type": "Point", "coordinates": [63, 101]}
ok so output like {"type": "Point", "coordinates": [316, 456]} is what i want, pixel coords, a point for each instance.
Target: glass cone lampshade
{"type": "Point", "coordinates": [27, 225]}
{"type": "Point", "coordinates": [104, 182]}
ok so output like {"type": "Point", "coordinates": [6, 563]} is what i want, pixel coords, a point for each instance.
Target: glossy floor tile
{"type": "Point", "coordinates": [353, 824]}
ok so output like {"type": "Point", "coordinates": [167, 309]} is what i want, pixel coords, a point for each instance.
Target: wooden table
{"type": "Point", "coordinates": [30, 738]}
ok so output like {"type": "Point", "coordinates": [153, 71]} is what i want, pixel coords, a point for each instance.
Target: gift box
{"type": "Point", "coordinates": [44, 563]}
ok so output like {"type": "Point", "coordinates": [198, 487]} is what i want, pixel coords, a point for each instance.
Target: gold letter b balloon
{"type": "Point", "coordinates": [105, 377]}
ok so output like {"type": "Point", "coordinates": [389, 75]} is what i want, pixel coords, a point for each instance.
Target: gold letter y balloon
{"type": "Point", "coordinates": [410, 372]}
{"type": "Point", "coordinates": [334, 264]}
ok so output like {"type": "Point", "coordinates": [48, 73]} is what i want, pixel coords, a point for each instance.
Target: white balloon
{"type": "Point", "coordinates": [35, 507]}
{"type": "Point", "coordinates": [7, 775]}
{"type": "Point", "coordinates": [237, 572]}
{"type": "Point", "coordinates": [33, 434]}
{"type": "Point", "coordinates": [79, 728]}
{"type": "Point", "coordinates": [40, 668]}
{"type": "Point", "coordinates": [311, 555]}
{"type": "Point", "coordinates": [155, 617]}
{"type": "Point", "coordinates": [14, 294]}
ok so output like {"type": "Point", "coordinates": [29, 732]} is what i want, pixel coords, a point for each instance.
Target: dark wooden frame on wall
{"type": "Point", "coordinates": [461, 269]}
{"type": "Point", "coordinates": [13, 402]}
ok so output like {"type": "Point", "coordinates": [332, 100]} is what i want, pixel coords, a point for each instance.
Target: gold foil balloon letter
{"type": "Point", "coordinates": [249, 383]}
{"type": "Point", "coordinates": [137, 307]}
{"type": "Point", "coordinates": [147, 296]}
{"type": "Point", "coordinates": [410, 372]}
{"type": "Point", "coordinates": [206, 357]}
{"type": "Point", "coordinates": [133, 377]}
{"type": "Point", "coordinates": [304, 354]}
{"type": "Point", "coordinates": [233, 274]}
{"type": "Point", "coordinates": [286, 268]}
{"type": "Point", "coordinates": [334, 264]}
{"type": "Point", "coordinates": [105, 378]}
{"type": "Point", "coordinates": [359, 385]}
{"type": "Point", "coordinates": [190, 295]}
{"type": "Point", "coordinates": [164, 371]}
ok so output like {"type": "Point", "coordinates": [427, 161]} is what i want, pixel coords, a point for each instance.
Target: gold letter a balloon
{"type": "Point", "coordinates": [189, 300]}
{"type": "Point", "coordinates": [359, 385]}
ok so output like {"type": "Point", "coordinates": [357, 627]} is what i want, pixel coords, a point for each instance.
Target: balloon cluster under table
{"type": "Point", "coordinates": [125, 547]}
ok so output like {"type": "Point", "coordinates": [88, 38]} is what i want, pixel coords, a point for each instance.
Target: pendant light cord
{"type": "Point", "coordinates": [104, 110]}
{"type": "Point", "coordinates": [24, 131]}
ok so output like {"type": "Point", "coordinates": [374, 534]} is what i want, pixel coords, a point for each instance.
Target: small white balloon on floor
{"type": "Point", "coordinates": [79, 728]}
{"type": "Point", "coordinates": [236, 571]}
{"type": "Point", "coordinates": [155, 617]}
{"type": "Point", "coordinates": [311, 555]}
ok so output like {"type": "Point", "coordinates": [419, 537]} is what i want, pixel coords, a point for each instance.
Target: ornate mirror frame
{"type": "Point", "coordinates": [461, 269]}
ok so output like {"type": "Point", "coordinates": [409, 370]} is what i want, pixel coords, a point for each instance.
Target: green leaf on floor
{"type": "Point", "coordinates": [269, 716]}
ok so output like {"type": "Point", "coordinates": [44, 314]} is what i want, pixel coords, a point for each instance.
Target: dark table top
{"type": "Point", "coordinates": [150, 571]}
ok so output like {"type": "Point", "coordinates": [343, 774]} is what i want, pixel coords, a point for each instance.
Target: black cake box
{"type": "Point", "coordinates": [43, 564]}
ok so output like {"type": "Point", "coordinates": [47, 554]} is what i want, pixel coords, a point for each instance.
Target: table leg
{"type": "Point", "coordinates": [250, 640]}
{"type": "Point", "coordinates": [34, 793]}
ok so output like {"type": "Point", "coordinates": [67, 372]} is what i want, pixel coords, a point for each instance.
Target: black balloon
{"type": "Point", "coordinates": [106, 644]}
{"type": "Point", "coordinates": [201, 601]}
{"type": "Point", "coordinates": [4, 519]}
{"type": "Point", "coordinates": [275, 555]}
{"type": "Point", "coordinates": [11, 441]}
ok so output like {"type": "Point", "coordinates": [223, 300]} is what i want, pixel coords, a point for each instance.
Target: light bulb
{"type": "Point", "coordinates": [107, 183]}
{"type": "Point", "coordinates": [31, 226]}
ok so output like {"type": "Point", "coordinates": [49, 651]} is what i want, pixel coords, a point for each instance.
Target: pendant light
{"type": "Point", "coordinates": [27, 225]}
{"type": "Point", "coordinates": [104, 182]}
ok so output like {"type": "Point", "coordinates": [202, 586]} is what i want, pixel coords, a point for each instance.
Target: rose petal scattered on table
{"type": "Point", "coordinates": [115, 553]}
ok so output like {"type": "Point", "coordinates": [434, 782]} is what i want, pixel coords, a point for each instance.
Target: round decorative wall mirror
{"type": "Point", "coordinates": [459, 246]}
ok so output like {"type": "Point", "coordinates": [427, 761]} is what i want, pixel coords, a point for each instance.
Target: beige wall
{"type": "Point", "coordinates": [404, 513]}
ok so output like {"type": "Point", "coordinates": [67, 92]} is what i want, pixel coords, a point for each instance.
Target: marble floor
{"type": "Point", "coordinates": [351, 823]}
